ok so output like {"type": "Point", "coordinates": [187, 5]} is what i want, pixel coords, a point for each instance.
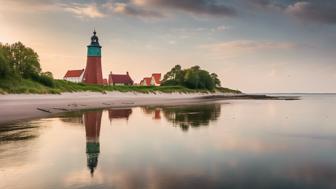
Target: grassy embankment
{"type": "Point", "coordinates": [13, 86]}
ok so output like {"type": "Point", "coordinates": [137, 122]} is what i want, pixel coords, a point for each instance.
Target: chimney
{"type": "Point", "coordinates": [127, 73]}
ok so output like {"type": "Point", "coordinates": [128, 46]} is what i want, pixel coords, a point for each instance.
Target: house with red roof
{"type": "Point", "coordinates": [75, 76]}
{"type": "Point", "coordinates": [146, 81]}
{"type": "Point", "coordinates": [120, 79]}
{"type": "Point", "coordinates": [154, 80]}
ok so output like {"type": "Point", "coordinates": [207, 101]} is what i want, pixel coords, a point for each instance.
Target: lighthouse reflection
{"type": "Point", "coordinates": [185, 117]}
{"type": "Point", "coordinates": [92, 122]}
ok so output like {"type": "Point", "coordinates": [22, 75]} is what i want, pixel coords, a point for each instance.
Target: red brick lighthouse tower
{"type": "Point", "coordinates": [93, 72]}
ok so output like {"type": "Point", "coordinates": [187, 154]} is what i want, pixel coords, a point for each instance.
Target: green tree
{"type": "Point", "coordinates": [193, 78]}
{"type": "Point", "coordinates": [23, 60]}
{"type": "Point", "coordinates": [206, 82]}
{"type": "Point", "coordinates": [214, 77]}
{"type": "Point", "coordinates": [4, 66]}
{"type": "Point", "coordinates": [175, 74]}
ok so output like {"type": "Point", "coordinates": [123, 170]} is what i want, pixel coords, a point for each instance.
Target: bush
{"type": "Point", "coordinates": [43, 79]}
{"type": "Point", "coordinates": [169, 83]}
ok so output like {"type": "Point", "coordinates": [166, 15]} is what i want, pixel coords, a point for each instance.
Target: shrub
{"type": "Point", "coordinates": [43, 79]}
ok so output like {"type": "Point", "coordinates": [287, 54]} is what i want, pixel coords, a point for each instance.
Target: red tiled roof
{"type": "Point", "coordinates": [120, 79]}
{"type": "Point", "coordinates": [147, 81]}
{"type": "Point", "coordinates": [74, 73]}
{"type": "Point", "coordinates": [157, 77]}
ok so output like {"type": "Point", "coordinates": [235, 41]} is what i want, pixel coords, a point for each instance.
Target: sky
{"type": "Point", "coordinates": [253, 45]}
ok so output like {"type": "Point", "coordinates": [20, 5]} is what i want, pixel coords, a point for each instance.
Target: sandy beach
{"type": "Point", "coordinates": [15, 107]}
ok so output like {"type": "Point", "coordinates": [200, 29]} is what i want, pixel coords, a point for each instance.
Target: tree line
{"type": "Point", "coordinates": [193, 78]}
{"type": "Point", "coordinates": [20, 62]}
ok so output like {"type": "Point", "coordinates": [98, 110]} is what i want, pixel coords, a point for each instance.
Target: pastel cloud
{"type": "Point", "coordinates": [238, 47]}
{"type": "Point", "coordinates": [131, 10]}
{"type": "Point", "coordinates": [322, 11]}
{"type": "Point", "coordinates": [85, 10]}
{"type": "Point", "coordinates": [203, 7]}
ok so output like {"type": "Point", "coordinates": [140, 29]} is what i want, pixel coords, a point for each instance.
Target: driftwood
{"type": "Point", "coordinates": [43, 110]}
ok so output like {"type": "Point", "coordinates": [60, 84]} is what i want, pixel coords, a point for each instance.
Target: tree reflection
{"type": "Point", "coordinates": [187, 116]}
{"type": "Point", "coordinates": [72, 117]}
{"type": "Point", "coordinates": [18, 132]}
{"type": "Point", "coordinates": [92, 121]}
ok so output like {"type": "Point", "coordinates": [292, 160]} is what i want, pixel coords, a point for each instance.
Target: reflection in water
{"type": "Point", "coordinates": [270, 144]}
{"type": "Point", "coordinates": [187, 116]}
{"type": "Point", "coordinates": [16, 143]}
{"type": "Point", "coordinates": [154, 111]}
{"type": "Point", "coordinates": [17, 132]}
{"type": "Point", "coordinates": [92, 121]}
{"type": "Point", "coordinates": [119, 113]}
{"type": "Point", "coordinates": [72, 117]}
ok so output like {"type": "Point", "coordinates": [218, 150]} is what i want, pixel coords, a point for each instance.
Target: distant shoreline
{"type": "Point", "coordinates": [16, 107]}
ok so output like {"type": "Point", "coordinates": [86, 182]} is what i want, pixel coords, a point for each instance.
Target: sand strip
{"type": "Point", "coordinates": [15, 107]}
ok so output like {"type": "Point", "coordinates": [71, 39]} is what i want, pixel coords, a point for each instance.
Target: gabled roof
{"type": "Point", "coordinates": [120, 78]}
{"type": "Point", "coordinates": [147, 81]}
{"type": "Point", "coordinates": [157, 77]}
{"type": "Point", "coordinates": [74, 73]}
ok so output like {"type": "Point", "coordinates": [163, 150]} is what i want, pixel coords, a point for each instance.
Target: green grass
{"type": "Point", "coordinates": [227, 90]}
{"type": "Point", "coordinates": [18, 86]}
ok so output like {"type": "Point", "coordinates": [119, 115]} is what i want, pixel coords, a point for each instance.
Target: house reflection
{"type": "Point", "coordinates": [119, 113]}
{"type": "Point", "coordinates": [157, 114]}
{"type": "Point", "coordinates": [154, 111]}
{"type": "Point", "coordinates": [92, 121]}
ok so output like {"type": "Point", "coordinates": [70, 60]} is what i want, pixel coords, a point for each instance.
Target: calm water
{"type": "Point", "coordinates": [224, 144]}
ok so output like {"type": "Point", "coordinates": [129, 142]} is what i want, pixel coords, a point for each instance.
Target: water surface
{"type": "Point", "coordinates": [222, 144]}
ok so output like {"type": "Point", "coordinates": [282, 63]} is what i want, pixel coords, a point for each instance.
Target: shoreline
{"type": "Point", "coordinates": [16, 107]}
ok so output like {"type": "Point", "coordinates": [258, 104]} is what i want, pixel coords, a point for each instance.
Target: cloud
{"type": "Point", "coordinates": [266, 4]}
{"type": "Point", "coordinates": [200, 7]}
{"type": "Point", "coordinates": [29, 6]}
{"type": "Point", "coordinates": [127, 9]}
{"type": "Point", "coordinates": [239, 47]}
{"type": "Point", "coordinates": [84, 10]}
{"type": "Point", "coordinates": [321, 11]}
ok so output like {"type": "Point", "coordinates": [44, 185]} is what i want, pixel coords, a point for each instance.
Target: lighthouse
{"type": "Point", "coordinates": [93, 71]}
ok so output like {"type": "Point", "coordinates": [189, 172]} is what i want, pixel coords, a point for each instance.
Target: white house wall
{"type": "Point", "coordinates": [75, 79]}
